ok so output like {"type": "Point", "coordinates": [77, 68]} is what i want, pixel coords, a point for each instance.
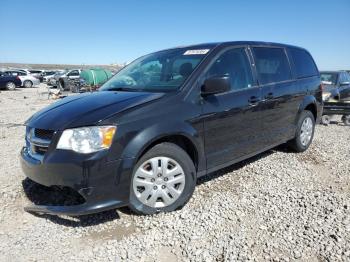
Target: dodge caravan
{"type": "Point", "coordinates": [169, 118]}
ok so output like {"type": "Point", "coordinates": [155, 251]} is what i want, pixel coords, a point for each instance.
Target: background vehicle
{"type": "Point", "coordinates": [171, 117]}
{"type": "Point", "coordinates": [334, 108]}
{"type": "Point", "coordinates": [336, 85]}
{"type": "Point", "coordinates": [52, 81]}
{"type": "Point", "coordinates": [61, 80]}
{"type": "Point", "coordinates": [9, 82]}
{"type": "Point", "coordinates": [47, 75]}
{"type": "Point", "coordinates": [37, 74]}
{"type": "Point", "coordinates": [27, 79]}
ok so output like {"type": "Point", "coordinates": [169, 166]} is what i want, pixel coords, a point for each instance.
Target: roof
{"type": "Point", "coordinates": [332, 71]}
{"type": "Point", "coordinates": [235, 43]}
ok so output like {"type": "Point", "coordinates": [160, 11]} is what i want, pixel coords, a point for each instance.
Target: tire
{"type": "Point", "coordinates": [158, 196]}
{"type": "Point", "coordinates": [298, 144]}
{"type": "Point", "coordinates": [61, 84]}
{"type": "Point", "coordinates": [326, 120]}
{"type": "Point", "coordinates": [27, 84]}
{"type": "Point", "coordinates": [10, 86]}
{"type": "Point", "coordinates": [346, 120]}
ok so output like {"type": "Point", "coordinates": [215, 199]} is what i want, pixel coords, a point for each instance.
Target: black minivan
{"type": "Point", "coordinates": [168, 118]}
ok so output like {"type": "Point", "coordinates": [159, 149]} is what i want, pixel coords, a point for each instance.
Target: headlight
{"type": "Point", "coordinates": [87, 139]}
{"type": "Point", "coordinates": [326, 96]}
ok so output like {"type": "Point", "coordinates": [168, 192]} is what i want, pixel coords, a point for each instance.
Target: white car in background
{"type": "Point", "coordinates": [27, 79]}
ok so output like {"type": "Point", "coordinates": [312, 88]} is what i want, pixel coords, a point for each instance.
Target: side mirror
{"type": "Point", "coordinates": [216, 85]}
{"type": "Point", "coordinates": [344, 83]}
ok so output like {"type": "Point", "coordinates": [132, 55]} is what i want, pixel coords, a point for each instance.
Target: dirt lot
{"type": "Point", "coordinates": [277, 206]}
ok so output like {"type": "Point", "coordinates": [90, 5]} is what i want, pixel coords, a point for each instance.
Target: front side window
{"type": "Point", "coordinates": [162, 71]}
{"type": "Point", "coordinates": [272, 65]}
{"type": "Point", "coordinates": [235, 64]}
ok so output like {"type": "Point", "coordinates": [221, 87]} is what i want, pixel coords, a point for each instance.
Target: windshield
{"type": "Point", "coordinates": [161, 71]}
{"type": "Point", "coordinates": [61, 73]}
{"type": "Point", "coordinates": [329, 78]}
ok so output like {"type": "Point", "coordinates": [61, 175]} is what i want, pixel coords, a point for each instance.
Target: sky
{"type": "Point", "coordinates": [112, 31]}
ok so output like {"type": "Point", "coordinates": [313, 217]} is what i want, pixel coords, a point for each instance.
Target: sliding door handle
{"type": "Point", "coordinates": [253, 100]}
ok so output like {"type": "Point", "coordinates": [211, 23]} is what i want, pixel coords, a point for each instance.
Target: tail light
{"type": "Point", "coordinates": [17, 77]}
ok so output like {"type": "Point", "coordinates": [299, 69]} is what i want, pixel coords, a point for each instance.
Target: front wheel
{"type": "Point", "coordinates": [163, 180]}
{"type": "Point", "coordinates": [304, 132]}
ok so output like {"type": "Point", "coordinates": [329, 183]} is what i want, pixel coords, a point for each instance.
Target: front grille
{"type": "Point", "coordinates": [38, 141]}
{"type": "Point", "coordinates": [43, 133]}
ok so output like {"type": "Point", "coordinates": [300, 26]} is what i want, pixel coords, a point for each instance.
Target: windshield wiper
{"type": "Point", "coordinates": [122, 89]}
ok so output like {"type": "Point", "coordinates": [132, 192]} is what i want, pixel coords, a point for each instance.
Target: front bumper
{"type": "Point", "coordinates": [103, 184]}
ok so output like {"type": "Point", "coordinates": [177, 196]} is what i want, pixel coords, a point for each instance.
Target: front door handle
{"type": "Point", "coordinates": [253, 100]}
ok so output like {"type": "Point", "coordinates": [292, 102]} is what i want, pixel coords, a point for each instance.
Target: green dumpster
{"type": "Point", "coordinates": [95, 76]}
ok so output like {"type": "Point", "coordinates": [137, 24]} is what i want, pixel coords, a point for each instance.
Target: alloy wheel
{"type": "Point", "coordinates": [10, 86]}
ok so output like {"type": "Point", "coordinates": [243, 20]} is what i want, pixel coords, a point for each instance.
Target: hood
{"type": "Point", "coordinates": [87, 109]}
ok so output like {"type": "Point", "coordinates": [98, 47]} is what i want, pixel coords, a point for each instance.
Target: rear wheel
{"type": "Point", "coordinates": [304, 132]}
{"type": "Point", "coordinates": [10, 86]}
{"type": "Point", "coordinates": [163, 180]}
{"type": "Point", "coordinates": [27, 84]}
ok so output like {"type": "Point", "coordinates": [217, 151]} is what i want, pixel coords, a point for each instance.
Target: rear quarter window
{"type": "Point", "coordinates": [272, 65]}
{"type": "Point", "coordinates": [303, 63]}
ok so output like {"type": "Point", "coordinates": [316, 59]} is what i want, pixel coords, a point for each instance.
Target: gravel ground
{"type": "Point", "coordinates": [277, 206]}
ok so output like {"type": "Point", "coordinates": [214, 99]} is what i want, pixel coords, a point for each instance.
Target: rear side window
{"type": "Point", "coordinates": [303, 62]}
{"type": "Point", "coordinates": [271, 64]}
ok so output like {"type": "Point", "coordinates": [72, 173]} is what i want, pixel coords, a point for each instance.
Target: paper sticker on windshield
{"type": "Point", "coordinates": [197, 52]}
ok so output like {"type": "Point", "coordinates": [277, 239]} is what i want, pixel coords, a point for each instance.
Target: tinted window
{"type": "Point", "coordinates": [235, 64]}
{"type": "Point", "coordinates": [303, 62]}
{"type": "Point", "coordinates": [272, 64]}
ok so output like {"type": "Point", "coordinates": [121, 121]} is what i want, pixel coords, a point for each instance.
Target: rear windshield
{"type": "Point", "coordinates": [162, 71]}
{"type": "Point", "coordinates": [329, 78]}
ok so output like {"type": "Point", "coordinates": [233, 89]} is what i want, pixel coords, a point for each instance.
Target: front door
{"type": "Point", "coordinates": [231, 119]}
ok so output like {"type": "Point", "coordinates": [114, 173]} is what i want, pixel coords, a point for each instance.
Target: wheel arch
{"type": "Point", "coordinates": [309, 103]}
{"type": "Point", "coordinates": [185, 137]}
{"type": "Point", "coordinates": [180, 140]}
